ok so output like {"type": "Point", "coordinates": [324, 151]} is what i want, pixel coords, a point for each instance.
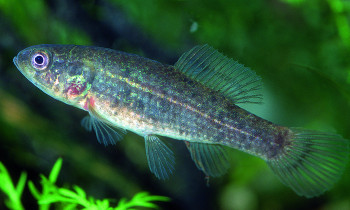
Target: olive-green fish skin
{"type": "Point", "coordinates": [167, 103]}
{"type": "Point", "coordinates": [148, 97]}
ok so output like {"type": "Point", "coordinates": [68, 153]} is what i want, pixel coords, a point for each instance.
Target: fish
{"type": "Point", "coordinates": [197, 100]}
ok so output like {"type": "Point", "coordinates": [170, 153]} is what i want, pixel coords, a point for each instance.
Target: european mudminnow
{"type": "Point", "coordinates": [195, 101]}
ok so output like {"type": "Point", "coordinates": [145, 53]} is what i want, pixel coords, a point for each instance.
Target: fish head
{"type": "Point", "coordinates": [58, 70]}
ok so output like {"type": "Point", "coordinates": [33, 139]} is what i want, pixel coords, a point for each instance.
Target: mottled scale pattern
{"type": "Point", "coordinates": [148, 97]}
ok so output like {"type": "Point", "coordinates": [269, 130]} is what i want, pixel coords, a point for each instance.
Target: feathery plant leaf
{"type": "Point", "coordinates": [141, 199]}
{"type": "Point", "coordinates": [66, 198]}
{"type": "Point", "coordinates": [13, 193]}
{"type": "Point", "coordinates": [55, 171]}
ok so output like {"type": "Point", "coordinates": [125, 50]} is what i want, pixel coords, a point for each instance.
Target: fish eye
{"type": "Point", "coordinates": [40, 60]}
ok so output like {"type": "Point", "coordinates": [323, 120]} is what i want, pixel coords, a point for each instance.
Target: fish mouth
{"type": "Point", "coordinates": [15, 61]}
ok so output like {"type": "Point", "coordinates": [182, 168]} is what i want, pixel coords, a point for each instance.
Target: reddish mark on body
{"type": "Point", "coordinates": [76, 89]}
{"type": "Point", "coordinates": [89, 103]}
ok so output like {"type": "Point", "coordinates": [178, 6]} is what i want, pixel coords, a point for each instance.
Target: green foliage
{"type": "Point", "coordinates": [66, 198]}
{"type": "Point", "coordinates": [155, 9]}
{"type": "Point", "coordinates": [13, 192]}
{"type": "Point", "coordinates": [33, 22]}
{"type": "Point", "coordinates": [339, 9]}
{"type": "Point", "coordinates": [140, 199]}
{"type": "Point", "coordinates": [295, 2]}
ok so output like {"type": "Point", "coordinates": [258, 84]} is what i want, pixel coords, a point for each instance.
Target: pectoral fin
{"type": "Point", "coordinates": [105, 133]}
{"type": "Point", "coordinates": [210, 158]}
{"type": "Point", "coordinates": [160, 158]}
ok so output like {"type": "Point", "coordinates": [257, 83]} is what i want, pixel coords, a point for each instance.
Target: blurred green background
{"type": "Point", "coordinates": [300, 48]}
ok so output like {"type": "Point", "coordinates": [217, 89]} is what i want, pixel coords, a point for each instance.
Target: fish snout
{"type": "Point", "coordinates": [15, 61]}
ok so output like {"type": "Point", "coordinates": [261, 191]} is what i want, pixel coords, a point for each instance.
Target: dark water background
{"type": "Point", "coordinates": [300, 48]}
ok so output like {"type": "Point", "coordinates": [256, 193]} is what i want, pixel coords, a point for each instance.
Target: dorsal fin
{"type": "Point", "coordinates": [209, 67]}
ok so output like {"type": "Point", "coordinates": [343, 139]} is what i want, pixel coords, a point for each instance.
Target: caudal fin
{"type": "Point", "coordinates": [312, 162]}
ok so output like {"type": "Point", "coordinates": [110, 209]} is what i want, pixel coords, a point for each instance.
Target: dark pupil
{"type": "Point", "coordinates": [39, 59]}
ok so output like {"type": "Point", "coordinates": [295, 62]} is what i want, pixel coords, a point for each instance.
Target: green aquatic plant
{"type": "Point", "coordinates": [13, 192]}
{"type": "Point", "coordinates": [65, 198]}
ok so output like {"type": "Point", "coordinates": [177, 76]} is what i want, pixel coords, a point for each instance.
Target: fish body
{"type": "Point", "coordinates": [195, 101]}
{"type": "Point", "coordinates": [147, 97]}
